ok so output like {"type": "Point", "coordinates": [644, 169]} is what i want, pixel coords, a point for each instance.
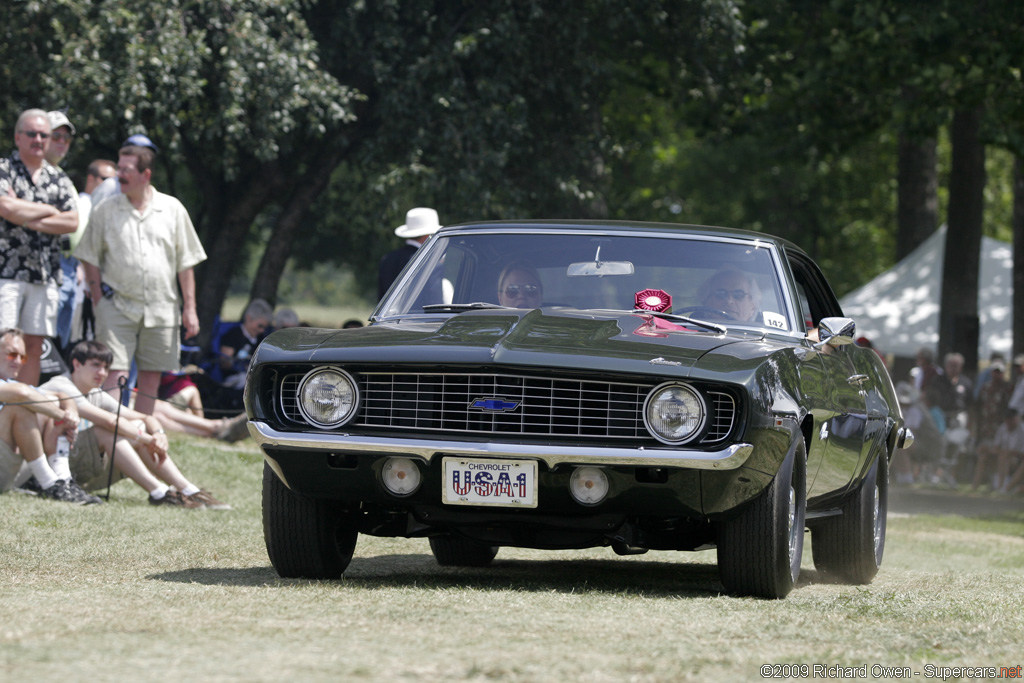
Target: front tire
{"type": "Point", "coordinates": [305, 538]}
{"type": "Point", "coordinates": [849, 548]}
{"type": "Point", "coordinates": [452, 551]}
{"type": "Point", "coordinates": [759, 552]}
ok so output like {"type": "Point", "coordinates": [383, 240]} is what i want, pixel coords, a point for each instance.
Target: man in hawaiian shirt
{"type": "Point", "coordinates": [37, 204]}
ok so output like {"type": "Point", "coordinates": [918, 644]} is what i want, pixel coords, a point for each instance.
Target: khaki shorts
{"type": "Point", "coordinates": [10, 463]}
{"type": "Point", "coordinates": [89, 464]}
{"type": "Point", "coordinates": [153, 348]}
{"type": "Point", "coordinates": [30, 306]}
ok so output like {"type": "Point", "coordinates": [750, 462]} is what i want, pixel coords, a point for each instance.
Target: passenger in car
{"type": "Point", "coordinates": [733, 292]}
{"type": "Point", "coordinates": [519, 286]}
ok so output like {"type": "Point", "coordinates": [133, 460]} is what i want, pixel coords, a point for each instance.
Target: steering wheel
{"type": "Point", "coordinates": [704, 311]}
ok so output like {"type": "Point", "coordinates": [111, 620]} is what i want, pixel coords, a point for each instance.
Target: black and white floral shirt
{"type": "Point", "coordinates": [28, 255]}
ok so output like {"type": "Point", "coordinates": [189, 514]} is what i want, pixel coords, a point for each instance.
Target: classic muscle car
{"type": "Point", "coordinates": [581, 384]}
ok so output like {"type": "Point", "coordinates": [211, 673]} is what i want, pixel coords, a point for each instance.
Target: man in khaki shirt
{"type": "Point", "coordinates": [138, 243]}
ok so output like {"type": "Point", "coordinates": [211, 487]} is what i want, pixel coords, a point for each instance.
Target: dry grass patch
{"type": "Point", "coordinates": [125, 591]}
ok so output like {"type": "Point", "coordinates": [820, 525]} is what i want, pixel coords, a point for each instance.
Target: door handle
{"type": "Point", "coordinates": [857, 379]}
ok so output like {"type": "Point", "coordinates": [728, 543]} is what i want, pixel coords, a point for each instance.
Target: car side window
{"type": "Point", "coordinates": [817, 300]}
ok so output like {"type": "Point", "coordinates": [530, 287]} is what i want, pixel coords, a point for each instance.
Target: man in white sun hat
{"type": "Point", "coordinates": [420, 224]}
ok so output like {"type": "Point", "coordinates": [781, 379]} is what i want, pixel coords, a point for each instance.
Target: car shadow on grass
{"type": "Point", "coordinates": [647, 577]}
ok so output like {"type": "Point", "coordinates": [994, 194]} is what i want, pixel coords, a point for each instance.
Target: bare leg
{"type": "Point", "coordinates": [19, 427]}
{"type": "Point", "coordinates": [111, 385]}
{"type": "Point", "coordinates": [29, 373]}
{"type": "Point", "coordinates": [127, 461]}
{"type": "Point", "coordinates": [148, 385]}
{"type": "Point", "coordinates": [181, 421]}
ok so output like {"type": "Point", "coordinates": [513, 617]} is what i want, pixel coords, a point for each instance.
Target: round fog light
{"type": "Point", "coordinates": [588, 485]}
{"type": "Point", "coordinates": [401, 476]}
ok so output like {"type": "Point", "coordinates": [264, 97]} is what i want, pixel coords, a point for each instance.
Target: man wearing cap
{"type": "Point", "coordinates": [138, 244]}
{"type": "Point", "coordinates": [420, 224]}
{"type": "Point", "coordinates": [62, 134]}
{"type": "Point", "coordinates": [37, 204]}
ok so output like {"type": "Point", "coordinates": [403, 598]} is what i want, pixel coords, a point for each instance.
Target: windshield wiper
{"type": "Point", "coordinates": [476, 305]}
{"type": "Point", "coordinates": [721, 329]}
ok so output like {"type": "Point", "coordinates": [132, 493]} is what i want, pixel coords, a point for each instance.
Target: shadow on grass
{"type": "Point", "coordinates": [650, 578]}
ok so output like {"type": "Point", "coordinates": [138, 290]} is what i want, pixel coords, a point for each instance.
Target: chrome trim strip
{"type": "Point", "coordinates": [728, 458]}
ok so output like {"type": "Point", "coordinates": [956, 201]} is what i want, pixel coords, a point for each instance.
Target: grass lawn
{"type": "Point", "coordinates": [126, 591]}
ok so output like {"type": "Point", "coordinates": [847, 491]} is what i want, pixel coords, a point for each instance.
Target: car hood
{"type": "Point", "coordinates": [623, 341]}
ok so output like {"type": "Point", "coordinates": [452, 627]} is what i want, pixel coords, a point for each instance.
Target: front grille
{"type": "Point", "coordinates": [513, 405]}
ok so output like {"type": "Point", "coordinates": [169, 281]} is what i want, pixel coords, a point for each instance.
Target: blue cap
{"type": "Point", "coordinates": [140, 140]}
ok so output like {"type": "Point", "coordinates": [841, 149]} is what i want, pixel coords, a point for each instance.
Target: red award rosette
{"type": "Point", "coordinates": [653, 300]}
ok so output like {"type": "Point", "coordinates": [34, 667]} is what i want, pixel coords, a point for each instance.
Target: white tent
{"type": "Point", "coordinates": [899, 310]}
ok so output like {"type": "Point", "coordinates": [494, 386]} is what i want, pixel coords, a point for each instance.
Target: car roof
{"type": "Point", "coordinates": [624, 226]}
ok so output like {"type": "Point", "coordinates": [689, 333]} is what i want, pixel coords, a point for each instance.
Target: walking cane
{"type": "Point", "coordinates": [121, 381]}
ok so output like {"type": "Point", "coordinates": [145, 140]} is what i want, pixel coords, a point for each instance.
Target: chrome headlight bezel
{"type": "Point", "coordinates": [666, 392]}
{"type": "Point", "coordinates": [349, 399]}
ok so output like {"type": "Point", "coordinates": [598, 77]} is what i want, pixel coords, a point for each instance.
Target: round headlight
{"type": "Point", "coordinates": [674, 413]}
{"type": "Point", "coordinates": [327, 397]}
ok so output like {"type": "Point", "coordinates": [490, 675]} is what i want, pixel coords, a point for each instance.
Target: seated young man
{"type": "Point", "coordinates": [140, 453]}
{"type": "Point", "coordinates": [25, 414]}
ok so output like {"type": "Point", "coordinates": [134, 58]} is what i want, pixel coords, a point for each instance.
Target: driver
{"type": "Point", "coordinates": [519, 286]}
{"type": "Point", "coordinates": [732, 292]}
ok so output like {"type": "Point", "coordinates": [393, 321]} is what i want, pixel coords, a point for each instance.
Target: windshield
{"type": "Point", "coordinates": [727, 281]}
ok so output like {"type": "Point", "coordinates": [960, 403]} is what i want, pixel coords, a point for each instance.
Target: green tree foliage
{"type": "Point", "coordinates": [496, 109]}
{"type": "Point", "coordinates": [233, 91]}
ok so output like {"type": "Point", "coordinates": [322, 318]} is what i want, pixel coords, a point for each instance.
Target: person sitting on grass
{"type": "Point", "coordinates": [141, 451]}
{"type": "Point", "coordinates": [26, 414]}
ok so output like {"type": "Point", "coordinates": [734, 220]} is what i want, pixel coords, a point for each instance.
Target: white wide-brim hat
{"type": "Point", "coordinates": [418, 222]}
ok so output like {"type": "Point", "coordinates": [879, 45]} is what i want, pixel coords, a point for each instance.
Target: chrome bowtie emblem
{"type": "Point", "coordinates": [493, 405]}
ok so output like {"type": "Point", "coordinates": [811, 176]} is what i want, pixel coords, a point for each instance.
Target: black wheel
{"type": "Point", "coordinates": [759, 552]}
{"type": "Point", "coordinates": [306, 538]}
{"type": "Point", "coordinates": [452, 551]}
{"type": "Point", "coordinates": [849, 548]}
{"type": "Point", "coordinates": [705, 311]}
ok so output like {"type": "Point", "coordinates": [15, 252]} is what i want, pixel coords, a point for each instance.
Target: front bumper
{"type": "Point", "coordinates": [729, 458]}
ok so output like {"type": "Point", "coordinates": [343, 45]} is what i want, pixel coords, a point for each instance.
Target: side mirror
{"type": "Point", "coordinates": [835, 332]}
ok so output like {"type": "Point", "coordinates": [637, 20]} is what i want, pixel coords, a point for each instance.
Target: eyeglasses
{"type": "Point", "coordinates": [35, 134]}
{"type": "Point", "coordinates": [527, 290]}
{"type": "Point", "coordinates": [737, 294]}
{"type": "Point", "coordinates": [63, 137]}
{"type": "Point", "coordinates": [14, 355]}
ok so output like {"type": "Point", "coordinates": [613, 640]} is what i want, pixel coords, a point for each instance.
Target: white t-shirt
{"type": "Point", "coordinates": [96, 397]}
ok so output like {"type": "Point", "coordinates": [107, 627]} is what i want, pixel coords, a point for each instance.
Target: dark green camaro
{"type": "Point", "coordinates": [580, 384]}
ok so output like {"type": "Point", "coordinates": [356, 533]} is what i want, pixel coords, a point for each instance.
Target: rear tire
{"type": "Point", "coordinates": [452, 551]}
{"type": "Point", "coordinates": [305, 538]}
{"type": "Point", "coordinates": [759, 552]}
{"type": "Point", "coordinates": [849, 548]}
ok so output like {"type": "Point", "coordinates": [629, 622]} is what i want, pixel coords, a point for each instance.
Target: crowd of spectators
{"type": "Point", "coordinates": [968, 432]}
{"type": "Point", "coordinates": [105, 276]}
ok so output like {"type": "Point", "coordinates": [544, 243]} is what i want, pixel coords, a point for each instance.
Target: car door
{"type": "Point", "coordinates": [841, 419]}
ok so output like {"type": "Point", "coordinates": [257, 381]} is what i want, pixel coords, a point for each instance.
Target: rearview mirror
{"type": "Point", "coordinates": [599, 268]}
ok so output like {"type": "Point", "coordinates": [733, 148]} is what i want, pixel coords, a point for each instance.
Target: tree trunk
{"type": "Point", "coordinates": [1018, 256]}
{"type": "Point", "coordinates": [958, 312]}
{"type": "Point", "coordinates": [917, 213]}
{"type": "Point", "coordinates": [292, 217]}
{"type": "Point", "coordinates": [225, 234]}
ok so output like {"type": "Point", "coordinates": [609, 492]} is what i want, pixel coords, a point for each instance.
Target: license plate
{"type": "Point", "coordinates": [504, 483]}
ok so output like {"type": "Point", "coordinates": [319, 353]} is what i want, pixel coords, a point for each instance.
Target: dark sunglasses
{"type": "Point", "coordinates": [12, 355]}
{"type": "Point", "coordinates": [527, 290]}
{"type": "Point", "coordinates": [737, 294]}
{"type": "Point", "coordinates": [63, 137]}
{"type": "Point", "coordinates": [35, 134]}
